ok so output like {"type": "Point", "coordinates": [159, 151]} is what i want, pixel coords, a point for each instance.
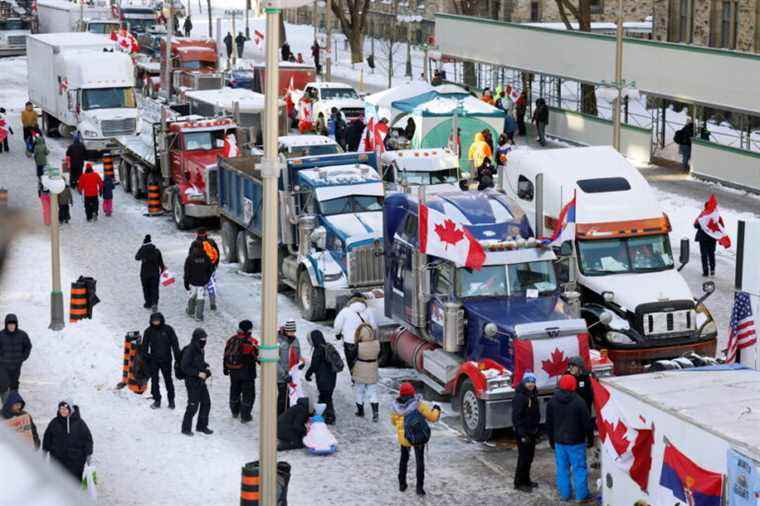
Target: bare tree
{"type": "Point", "coordinates": [352, 15]}
{"type": "Point", "coordinates": [582, 14]}
{"type": "Point", "coordinates": [389, 48]}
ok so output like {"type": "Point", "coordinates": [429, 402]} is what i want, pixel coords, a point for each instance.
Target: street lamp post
{"type": "Point", "coordinates": [618, 77]}
{"type": "Point", "coordinates": [53, 182]}
{"type": "Point", "coordinates": [328, 41]}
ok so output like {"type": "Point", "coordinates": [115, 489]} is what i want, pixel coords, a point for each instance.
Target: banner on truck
{"type": "Point", "coordinates": [743, 480]}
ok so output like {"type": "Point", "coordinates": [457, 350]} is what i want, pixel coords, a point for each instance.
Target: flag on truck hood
{"type": "Point", "coordinates": [230, 146]}
{"type": "Point", "coordinates": [630, 448]}
{"type": "Point", "coordinates": [690, 483]}
{"type": "Point", "coordinates": [548, 358]}
{"type": "Point", "coordinates": [565, 228]}
{"type": "Point", "coordinates": [711, 223]}
{"type": "Point", "coordinates": [442, 237]}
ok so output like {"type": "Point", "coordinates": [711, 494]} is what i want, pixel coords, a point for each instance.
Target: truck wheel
{"type": "Point", "coordinates": [229, 241]}
{"type": "Point", "coordinates": [182, 221]}
{"type": "Point", "coordinates": [134, 181]}
{"type": "Point", "coordinates": [246, 264]}
{"type": "Point", "coordinates": [124, 176]}
{"type": "Point", "coordinates": [473, 413]}
{"type": "Point", "coordinates": [310, 299]}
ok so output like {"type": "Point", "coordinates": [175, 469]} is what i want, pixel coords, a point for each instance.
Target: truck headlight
{"type": "Point", "coordinates": [90, 133]}
{"type": "Point", "coordinates": [490, 329]}
{"type": "Point", "coordinates": [618, 338]}
{"type": "Point", "coordinates": [503, 381]}
{"type": "Point", "coordinates": [333, 277]}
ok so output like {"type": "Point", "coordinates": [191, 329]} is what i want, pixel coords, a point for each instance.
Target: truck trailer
{"type": "Point", "coordinates": [82, 82]}
{"type": "Point", "coordinates": [62, 16]}
{"type": "Point", "coordinates": [621, 259]}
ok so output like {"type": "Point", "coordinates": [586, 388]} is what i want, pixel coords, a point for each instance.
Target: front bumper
{"type": "Point", "coordinates": [338, 297]}
{"type": "Point", "coordinates": [13, 51]}
{"type": "Point", "coordinates": [94, 144]}
{"type": "Point", "coordinates": [632, 361]}
{"type": "Point", "coordinates": [201, 210]}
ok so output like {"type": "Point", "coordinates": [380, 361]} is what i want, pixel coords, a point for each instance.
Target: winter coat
{"type": "Point", "coordinates": [479, 150]}
{"type": "Point", "coordinates": [65, 199]}
{"type": "Point", "coordinates": [541, 114]}
{"type": "Point", "coordinates": [211, 249]}
{"type": "Point", "coordinates": [585, 390]}
{"type": "Point", "coordinates": [31, 429]}
{"type": "Point", "coordinates": [15, 346]}
{"type": "Point", "coordinates": [188, 25]}
{"type": "Point", "coordinates": [402, 406]}
{"type": "Point", "coordinates": [198, 270]}
{"type": "Point", "coordinates": [249, 351]}
{"type": "Point", "coordinates": [152, 262]}
{"type": "Point", "coordinates": [290, 355]}
{"type": "Point", "coordinates": [159, 343]}
{"type": "Point", "coordinates": [291, 425]}
{"type": "Point", "coordinates": [684, 135]}
{"type": "Point", "coordinates": [76, 153]}
{"type": "Point", "coordinates": [521, 106]}
{"type": "Point", "coordinates": [350, 317]}
{"type": "Point", "coordinates": [40, 152]}
{"type": "Point", "coordinates": [69, 441]}
{"type": "Point", "coordinates": [568, 421]}
{"type": "Point", "coordinates": [365, 369]}
{"type": "Point", "coordinates": [354, 134]}
{"type": "Point", "coordinates": [107, 189]}
{"type": "Point", "coordinates": [702, 238]}
{"type": "Point", "coordinates": [526, 414]}
{"type": "Point", "coordinates": [320, 367]}
{"type": "Point", "coordinates": [29, 118]}
{"type": "Point", "coordinates": [510, 125]}
{"type": "Point", "coordinates": [228, 43]}
{"type": "Point", "coordinates": [240, 41]}
{"type": "Point", "coordinates": [194, 360]}
{"type": "Point", "coordinates": [90, 184]}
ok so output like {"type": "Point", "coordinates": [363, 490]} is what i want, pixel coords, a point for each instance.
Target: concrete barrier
{"type": "Point", "coordinates": [737, 168]}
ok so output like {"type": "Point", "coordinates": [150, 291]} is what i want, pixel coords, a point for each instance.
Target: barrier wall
{"type": "Point", "coordinates": [731, 166]}
{"type": "Point", "coordinates": [582, 128]}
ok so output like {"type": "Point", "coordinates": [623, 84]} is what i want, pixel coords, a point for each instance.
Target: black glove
{"type": "Point", "coordinates": [308, 377]}
{"type": "Point", "coordinates": [338, 336]}
{"type": "Point", "coordinates": [226, 371]}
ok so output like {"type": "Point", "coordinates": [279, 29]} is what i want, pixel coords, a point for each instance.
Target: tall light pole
{"type": "Point", "coordinates": [167, 77]}
{"type": "Point", "coordinates": [328, 41]}
{"type": "Point", "coordinates": [618, 78]}
{"type": "Point", "coordinates": [53, 182]}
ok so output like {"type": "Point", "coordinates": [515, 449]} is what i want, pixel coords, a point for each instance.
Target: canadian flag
{"type": "Point", "coordinates": [231, 149]}
{"type": "Point", "coordinates": [711, 223]}
{"type": "Point", "coordinates": [548, 358]}
{"type": "Point", "coordinates": [289, 104]}
{"type": "Point", "coordinates": [629, 447]}
{"type": "Point", "coordinates": [258, 39]}
{"type": "Point", "coordinates": [305, 115]}
{"type": "Point", "coordinates": [444, 238]}
{"type": "Point", "coordinates": [126, 41]}
{"type": "Point", "coordinates": [373, 137]}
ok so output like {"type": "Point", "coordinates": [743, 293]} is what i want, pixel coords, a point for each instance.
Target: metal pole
{"type": "Point", "coordinates": [618, 79]}
{"type": "Point", "coordinates": [168, 56]}
{"type": "Point", "coordinates": [56, 296]}
{"type": "Point", "coordinates": [315, 19]}
{"type": "Point", "coordinates": [409, 50]}
{"type": "Point", "coordinates": [81, 16]}
{"type": "Point", "coordinates": [328, 41]}
{"type": "Point", "coordinates": [269, 349]}
{"type": "Point", "coordinates": [426, 64]}
{"type": "Point", "coordinates": [247, 21]}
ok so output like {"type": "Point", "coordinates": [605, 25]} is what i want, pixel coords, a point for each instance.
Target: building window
{"type": "Point", "coordinates": [728, 22]}
{"type": "Point", "coordinates": [535, 11]}
{"type": "Point", "coordinates": [685, 21]}
{"type": "Point", "coordinates": [597, 6]}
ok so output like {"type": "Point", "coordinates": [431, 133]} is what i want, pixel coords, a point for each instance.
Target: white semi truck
{"type": "Point", "coordinates": [82, 82]}
{"type": "Point", "coordinates": [59, 16]}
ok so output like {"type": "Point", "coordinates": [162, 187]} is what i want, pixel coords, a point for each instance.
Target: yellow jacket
{"type": "Point", "coordinates": [479, 150]}
{"type": "Point", "coordinates": [400, 409]}
{"type": "Point", "coordinates": [29, 118]}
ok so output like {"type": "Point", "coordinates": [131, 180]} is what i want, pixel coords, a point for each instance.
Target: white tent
{"type": "Point", "coordinates": [379, 104]}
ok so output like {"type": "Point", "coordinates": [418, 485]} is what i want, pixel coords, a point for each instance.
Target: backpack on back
{"type": "Point", "coordinates": [364, 332]}
{"type": "Point", "coordinates": [416, 428]}
{"type": "Point", "coordinates": [333, 358]}
{"type": "Point", "coordinates": [679, 137]}
{"type": "Point", "coordinates": [233, 355]}
{"type": "Point", "coordinates": [178, 372]}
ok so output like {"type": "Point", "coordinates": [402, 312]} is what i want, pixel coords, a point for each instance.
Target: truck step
{"type": "Point", "coordinates": [434, 385]}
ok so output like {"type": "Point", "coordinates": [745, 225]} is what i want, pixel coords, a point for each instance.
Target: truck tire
{"type": "Point", "coordinates": [134, 181]}
{"type": "Point", "coordinates": [229, 241]}
{"type": "Point", "coordinates": [182, 221]}
{"type": "Point", "coordinates": [124, 176]}
{"type": "Point", "coordinates": [246, 264]}
{"type": "Point", "coordinates": [311, 299]}
{"type": "Point", "coordinates": [472, 412]}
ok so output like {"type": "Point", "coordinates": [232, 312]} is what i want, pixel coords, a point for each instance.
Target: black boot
{"type": "Point", "coordinates": [205, 430]}
{"type": "Point", "coordinates": [156, 404]}
{"type": "Point", "coordinates": [171, 404]}
{"type": "Point", "coordinates": [375, 411]}
{"type": "Point", "coordinates": [359, 410]}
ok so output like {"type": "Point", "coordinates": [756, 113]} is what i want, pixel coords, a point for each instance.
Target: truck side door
{"type": "Point", "coordinates": [176, 144]}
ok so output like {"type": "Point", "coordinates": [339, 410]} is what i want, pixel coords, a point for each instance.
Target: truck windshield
{"type": "Point", "coordinates": [490, 281]}
{"type": "Point", "coordinates": [634, 254]}
{"type": "Point", "coordinates": [351, 204]}
{"type": "Point", "coordinates": [106, 28]}
{"type": "Point", "coordinates": [203, 141]}
{"type": "Point", "coordinates": [438, 177]}
{"type": "Point", "coordinates": [108, 98]}
{"type": "Point", "coordinates": [512, 279]}
{"type": "Point", "coordinates": [316, 150]}
{"type": "Point", "coordinates": [14, 24]}
{"type": "Point", "coordinates": [338, 93]}
{"type": "Point", "coordinates": [196, 65]}
{"type": "Point", "coordinates": [139, 25]}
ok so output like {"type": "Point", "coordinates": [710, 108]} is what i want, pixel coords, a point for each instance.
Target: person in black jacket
{"type": "Point", "coordinates": [354, 134]}
{"type": "Point", "coordinates": [68, 440]}
{"type": "Point", "coordinates": [196, 372]}
{"type": "Point", "coordinates": [151, 267]}
{"type": "Point", "coordinates": [541, 119]}
{"type": "Point", "coordinates": [76, 154]}
{"type": "Point", "coordinates": [212, 252]}
{"type": "Point", "coordinates": [15, 348]}
{"type": "Point", "coordinates": [683, 138]}
{"type": "Point", "coordinates": [526, 417]}
{"type": "Point", "coordinates": [188, 26]}
{"type": "Point", "coordinates": [14, 408]}
{"type": "Point", "coordinates": [707, 246]}
{"type": "Point", "coordinates": [568, 425]}
{"type": "Point", "coordinates": [291, 425]}
{"type": "Point", "coordinates": [198, 271]}
{"type": "Point", "coordinates": [577, 368]}
{"type": "Point", "coordinates": [159, 345]}
{"type": "Point", "coordinates": [240, 44]}
{"type": "Point", "coordinates": [325, 375]}
{"type": "Point", "coordinates": [228, 44]}
{"type": "Point", "coordinates": [241, 352]}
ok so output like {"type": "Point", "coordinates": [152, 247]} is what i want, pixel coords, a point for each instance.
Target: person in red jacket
{"type": "Point", "coordinates": [90, 185]}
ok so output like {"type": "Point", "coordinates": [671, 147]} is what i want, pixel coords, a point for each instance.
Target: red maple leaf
{"type": "Point", "coordinates": [449, 233]}
{"type": "Point", "coordinates": [616, 434]}
{"type": "Point", "coordinates": [713, 225]}
{"type": "Point", "coordinates": [557, 363]}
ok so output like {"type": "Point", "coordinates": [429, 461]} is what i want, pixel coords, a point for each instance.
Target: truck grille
{"type": "Point", "coordinates": [17, 40]}
{"type": "Point", "coordinates": [352, 112]}
{"type": "Point", "coordinates": [112, 127]}
{"type": "Point", "coordinates": [208, 82]}
{"type": "Point", "coordinates": [366, 266]}
{"type": "Point", "coordinates": [673, 322]}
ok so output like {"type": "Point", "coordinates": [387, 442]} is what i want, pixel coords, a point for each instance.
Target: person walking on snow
{"type": "Point", "coordinates": [521, 108]}
{"type": "Point", "coordinates": [19, 420]}
{"type": "Point", "coordinates": [90, 185]}
{"type": "Point", "coordinates": [68, 440]}
{"type": "Point", "coordinates": [5, 131]}
{"type": "Point", "coordinates": [29, 121]}
{"type": "Point", "coordinates": [40, 155]}
{"type": "Point", "coordinates": [159, 346]}
{"type": "Point", "coordinates": [410, 417]}
{"type": "Point", "coordinates": [151, 267]}
{"type": "Point", "coordinates": [707, 245]}
{"type": "Point", "coordinates": [188, 26]}
{"type": "Point", "coordinates": [196, 371]}
{"type": "Point", "coordinates": [683, 138]}
{"type": "Point", "coordinates": [526, 418]}
{"type": "Point", "coordinates": [241, 353]}
{"type": "Point", "coordinates": [107, 194]}
{"type": "Point", "coordinates": [568, 425]}
{"type": "Point", "coordinates": [75, 156]}
{"type": "Point", "coordinates": [326, 376]}
{"type": "Point", "coordinates": [228, 45]}
{"type": "Point", "coordinates": [541, 119]}
{"type": "Point", "coordinates": [240, 44]}
{"type": "Point", "coordinates": [212, 251]}
{"type": "Point", "coordinates": [198, 271]}
{"type": "Point", "coordinates": [365, 372]}
{"type": "Point", "coordinates": [354, 315]}
{"type": "Point", "coordinates": [65, 201]}
{"type": "Point", "coordinates": [289, 357]}
{"type": "Point", "coordinates": [15, 348]}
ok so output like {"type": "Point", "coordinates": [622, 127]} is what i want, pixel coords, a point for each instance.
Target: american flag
{"type": "Point", "coordinates": [742, 331]}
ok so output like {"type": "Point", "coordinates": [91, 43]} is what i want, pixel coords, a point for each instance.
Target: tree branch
{"type": "Point", "coordinates": [563, 14]}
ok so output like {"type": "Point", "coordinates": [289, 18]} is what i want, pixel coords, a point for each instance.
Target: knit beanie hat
{"type": "Point", "coordinates": [568, 382]}
{"type": "Point", "coordinates": [290, 327]}
{"type": "Point", "coordinates": [245, 325]}
{"type": "Point", "coordinates": [529, 377]}
{"type": "Point", "coordinates": [146, 240]}
{"type": "Point", "coordinates": [407, 390]}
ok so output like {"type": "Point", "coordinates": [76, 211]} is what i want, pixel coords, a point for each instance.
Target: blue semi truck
{"type": "Point", "coordinates": [470, 334]}
{"type": "Point", "coordinates": [330, 226]}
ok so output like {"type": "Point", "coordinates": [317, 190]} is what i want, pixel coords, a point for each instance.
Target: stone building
{"type": "Point", "coordinates": [731, 24]}
{"type": "Point", "coordinates": [547, 11]}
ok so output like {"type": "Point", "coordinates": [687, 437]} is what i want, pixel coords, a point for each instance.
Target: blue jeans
{"type": "Point", "coordinates": [567, 457]}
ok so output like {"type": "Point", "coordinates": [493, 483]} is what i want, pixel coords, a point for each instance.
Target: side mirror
{"type": "Point", "coordinates": [708, 287]}
{"type": "Point", "coordinates": [566, 249]}
{"type": "Point", "coordinates": [220, 143]}
{"type": "Point", "coordinates": [683, 257]}
{"type": "Point", "coordinates": [605, 318]}
{"type": "Point", "coordinates": [608, 296]}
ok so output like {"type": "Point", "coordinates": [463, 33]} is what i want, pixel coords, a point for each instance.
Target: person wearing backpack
{"type": "Point", "coordinates": [241, 352]}
{"type": "Point", "coordinates": [353, 318]}
{"type": "Point", "coordinates": [325, 367]}
{"type": "Point", "coordinates": [683, 138]}
{"type": "Point", "coordinates": [365, 373]}
{"type": "Point", "coordinates": [410, 417]}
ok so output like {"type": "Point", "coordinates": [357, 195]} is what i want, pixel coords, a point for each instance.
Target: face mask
{"type": "Point", "coordinates": [202, 342]}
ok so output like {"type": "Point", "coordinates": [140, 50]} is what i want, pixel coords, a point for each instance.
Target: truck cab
{"type": "Point", "coordinates": [437, 169]}
{"type": "Point", "coordinates": [138, 19]}
{"type": "Point", "coordinates": [621, 258]}
{"type": "Point", "coordinates": [13, 32]}
{"type": "Point", "coordinates": [102, 26]}
{"type": "Point", "coordinates": [326, 95]}
{"type": "Point", "coordinates": [460, 326]}
{"type": "Point", "coordinates": [296, 146]}
{"type": "Point", "coordinates": [194, 64]}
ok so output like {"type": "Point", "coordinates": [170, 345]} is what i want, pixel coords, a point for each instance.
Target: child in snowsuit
{"type": "Point", "coordinates": [64, 202]}
{"type": "Point", "coordinates": [19, 420]}
{"type": "Point", "coordinates": [107, 194]}
{"type": "Point", "coordinates": [319, 440]}
{"type": "Point", "coordinates": [325, 375]}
